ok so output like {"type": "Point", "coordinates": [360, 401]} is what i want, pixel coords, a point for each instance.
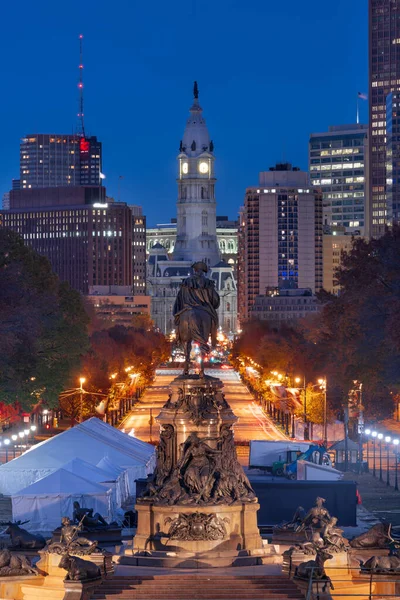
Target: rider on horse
{"type": "Point", "coordinates": [195, 313]}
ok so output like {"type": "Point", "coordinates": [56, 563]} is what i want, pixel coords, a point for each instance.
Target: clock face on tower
{"type": "Point", "coordinates": [185, 167]}
{"type": "Point", "coordinates": [203, 167]}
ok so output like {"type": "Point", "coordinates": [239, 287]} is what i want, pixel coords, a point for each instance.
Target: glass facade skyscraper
{"type": "Point", "coordinates": [338, 166]}
{"type": "Point", "coordinates": [393, 157]}
{"type": "Point", "coordinates": [54, 160]}
{"type": "Point", "coordinates": [384, 77]}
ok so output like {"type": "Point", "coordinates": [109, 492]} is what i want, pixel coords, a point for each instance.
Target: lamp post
{"type": "Point", "coordinates": [14, 439]}
{"type": "Point", "coordinates": [306, 434]}
{"type": "Point", "coordinates": [81, 382]}
{"type": "Point", "coordinates": [6, 443]}
{"type": "Point", "coordinates": [368, 433]}
{"type": "Point", "coordinates": [323, 386]}
{"type": "Point", "coordinates": [396, 445]}
{"type": "Point", "coordinates": [387, 440]}
{"type": "Point", "coordinates": [380, 437]}
{"type": "Point", "coordinates": [374, 434]}
{"type": "Point", "coordinates": [360, 426]}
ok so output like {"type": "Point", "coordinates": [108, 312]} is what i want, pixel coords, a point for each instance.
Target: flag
{"type": "Point", "coordinates": [362, 96]}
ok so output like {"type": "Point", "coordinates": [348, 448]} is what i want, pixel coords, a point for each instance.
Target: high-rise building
{"type": "Point", "coordinates": [384, 77]}
{"type": "Point", "coordinates": [88, 243]}
{"type": "Point", "coordinates": [335, 241]}
{"type": "Point", "coordinates": [338, 166]}
{"type": "Point", "coordinates": [54, 160]}
{"type": "Point", "coordinates": [393, 157]}
{"type": "Point", "coordinates": [281, 236]}
{"type": "Point", "coordinates": [138, 249]}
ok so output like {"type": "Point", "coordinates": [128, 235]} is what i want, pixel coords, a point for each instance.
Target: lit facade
{"type": "Point", "coordinates": [87, 245]}
{"type": "Point", "coordinates": [117, 305]}
{"type": "Point", "coordinates": [284, 306]}
{"type": "Point", "coordinates": [384, 77]}
{"type": "Point", "coordinates": [393, 157]}
{"type": "Point", "coordinates": [334, 243]}
{"type": "Point", "coordinates": [338, 166]}
{"type": "Point", "coordinates": [227, 238]}
{"type": "Point", "coordinates": [281, 236]}
{"type": "Point", "coordinates": [55, 160]}
{"type": "Point", "coordinates": [139, 250]}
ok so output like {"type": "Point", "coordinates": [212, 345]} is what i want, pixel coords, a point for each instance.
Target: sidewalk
{"type": "Point", "coordinates": [377, 498]}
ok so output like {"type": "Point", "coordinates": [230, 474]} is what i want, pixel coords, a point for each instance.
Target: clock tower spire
{"type": "Point", "coordinates": [196, 206]}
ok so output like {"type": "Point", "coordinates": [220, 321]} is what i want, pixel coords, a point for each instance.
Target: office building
{"type": "Point", "coordinates": [117, 305]}
{"type": "Point", "coordinates": [284, 306]}
{"type": "Point", "coordinates": [55, 160]}
{"type": "Point", "coordinates": [384, 77]}
{"type": "Point", "coordinates": [393, 157]}
{"type": "Point", "coordinates": [281, 236]}
{"type": "Point", "coordinates": [139, 250]}
{"type": "Point", "coordinates": [6, 201]}
{"type": "Point", "coordinates": [88, 243]}
{"type": "Point", "coordinates": [338, 165]}
{"type": "Point", "coordinates": [335, 241]}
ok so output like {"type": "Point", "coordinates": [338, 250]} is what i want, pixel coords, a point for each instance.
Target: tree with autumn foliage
{"type": "Point", "coordinates": [43, 327]}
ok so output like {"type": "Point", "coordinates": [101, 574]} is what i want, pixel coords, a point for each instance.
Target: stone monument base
{"type": "Point", "coordinates": [50, 584]}
{"type": "Point", "coordinates": [233, 539]}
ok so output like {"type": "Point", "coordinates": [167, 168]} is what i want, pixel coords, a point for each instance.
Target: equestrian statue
{"type": "Point", "coordinates": [195, 314]}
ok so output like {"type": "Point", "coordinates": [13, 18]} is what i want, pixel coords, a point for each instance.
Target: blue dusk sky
{"type": "Point", "coordinates": [269, 73]}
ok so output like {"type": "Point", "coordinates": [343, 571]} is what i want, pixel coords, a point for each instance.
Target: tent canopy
{"type": "Point", "coordinates": [46, 501]}
{"type": "Point", "coordinates": [62, 482]}
{"type": "Point", "coordinates": [87, 471]}
{"type": "Point", "coordinates": [51, 454]}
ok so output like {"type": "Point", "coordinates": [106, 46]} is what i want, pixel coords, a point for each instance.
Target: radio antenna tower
{"type": "Point", "coordinates": [81, 124]}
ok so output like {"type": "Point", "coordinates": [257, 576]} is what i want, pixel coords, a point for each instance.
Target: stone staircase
{"type": "Point", "coordinates": [198, 587]}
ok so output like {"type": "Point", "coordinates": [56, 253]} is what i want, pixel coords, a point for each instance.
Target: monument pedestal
{"type": "Point", "coordinates": [50, 584]}
{"type": "Point", "coordinates": [238, 532]}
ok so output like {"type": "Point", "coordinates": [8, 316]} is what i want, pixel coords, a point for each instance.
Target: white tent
{"type": "Point", "coordinates": [48, 456]}
{"type": "Point", "coordinates": [45, 502]}
{"type": "Point", "coordinates": [115, 482]}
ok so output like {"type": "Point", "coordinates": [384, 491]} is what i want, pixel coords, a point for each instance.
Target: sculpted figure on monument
{"type": "Point", "coordinates": [332, 537]}
{"type": "Point", "coordinates": [87, 518]}
{"type": "Point", "coordinates": [195, 313]}
{"type": "Point", "coordinates": [164, 455]}
{"type": "Point", "coordinates": [317, 516]}
{"type": "Point", "coordinates": [379, 536]}
{"type": "Point", "coordinates": [197, 526]}
{"type": "Point", "coordinates": [71, 540]}
{"type": "Point", "coordinates": [197, 467]}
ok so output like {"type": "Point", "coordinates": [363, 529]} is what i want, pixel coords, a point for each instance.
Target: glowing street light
{"type": "Point", "coordinates": [81, 381]}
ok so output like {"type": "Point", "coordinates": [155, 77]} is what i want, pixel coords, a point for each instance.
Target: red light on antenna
{"type": "Point", "coordinates": [80, 85]}
{"type": "Point", "coordinates": [81, 37]}
{"type": "Point", "coordinates": [81, 66]}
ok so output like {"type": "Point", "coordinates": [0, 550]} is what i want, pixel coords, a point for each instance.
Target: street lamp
{"type": "Point", "coordinates": [304, 388]}
{"type": "Point", "coordinates": [14, 439]}
{"type": "Point", "coordinates": [374, 434]}
{"type": "Point", "coordinates": [6, 443]}
{"type": "Point", "coordinates": [396, 445]}
{"type": "Point", "coordinates": [81, 381]}
{"type": "Point", "coordinates": [368, 433]}
{"type": "Point", "coordinates": [380, 437]}
{"type": "Point", "coordinates": [387, 440]}
{"type": "Point", "coordinates": [323, 385]}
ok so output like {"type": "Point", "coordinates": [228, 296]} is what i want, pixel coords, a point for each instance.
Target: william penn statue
{"type": "Point", "coordinates": [195, 313]}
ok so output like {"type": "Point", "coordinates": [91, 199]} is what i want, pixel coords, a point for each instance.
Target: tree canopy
{"type": "Point", "coordinates": [355, 336]}
{"type": "Point", "coordinates": [43, 326]}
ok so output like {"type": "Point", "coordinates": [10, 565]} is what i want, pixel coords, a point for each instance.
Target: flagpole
{"type": "Point", "coordinates": [358, 111]}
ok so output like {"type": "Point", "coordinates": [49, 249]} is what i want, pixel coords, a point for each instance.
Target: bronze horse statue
{"type": "Point", "coordinates": [195, 313]}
